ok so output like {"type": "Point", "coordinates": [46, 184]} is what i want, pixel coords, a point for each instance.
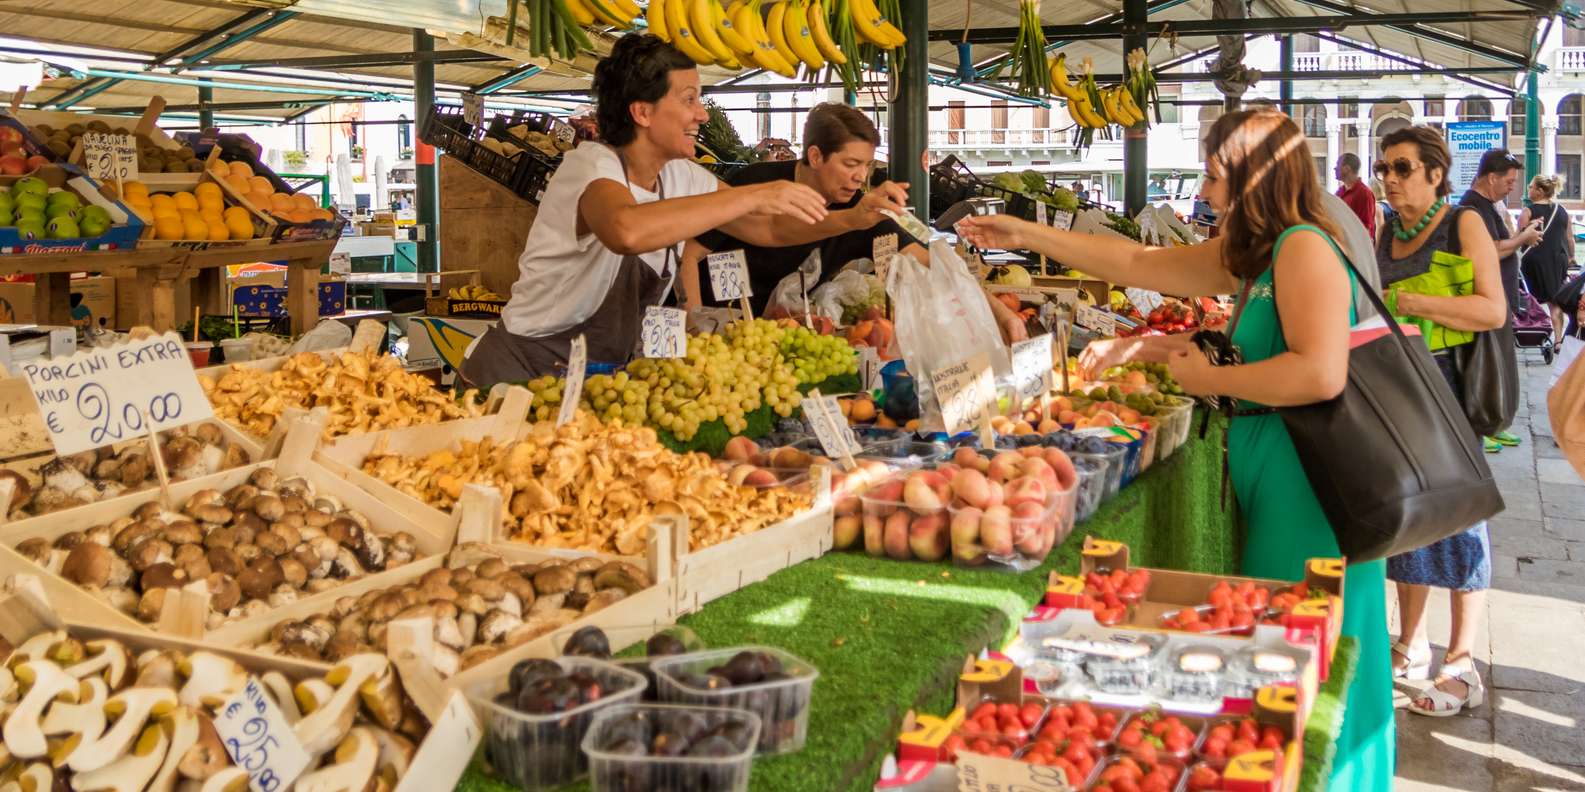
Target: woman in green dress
{"type": "Point", "coordinates": [1277, 244]}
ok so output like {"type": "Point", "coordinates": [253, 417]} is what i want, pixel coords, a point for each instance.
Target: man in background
{"type": "Point", "coordinates": [1355, 192]}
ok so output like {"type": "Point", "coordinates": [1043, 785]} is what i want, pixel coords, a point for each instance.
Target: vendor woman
{"type": "Point", "coordinates": [839, 151]}
{"type": "Point", "coordinates": [606, 243]}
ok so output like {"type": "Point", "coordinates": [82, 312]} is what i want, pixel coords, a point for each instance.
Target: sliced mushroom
{"type": "Point", "coordinates": [382, 699]}
{"type": "Point", "coordinates": [182, 729]}
{"type": "Point", "coordinates": [325, 725]}
{"type": "Point", "coordinates": [108, 659]}
{"type": "Point", "coordinates": [352, 767]}
{"type": "Point", "coordinates": [129, 773]}
{"type": "Point", "coordinates": [281, 689]}
{"type": "Point", "coordinates": [82, 722]}
{"type": "Point", "coordinates": [131, 710]}
{"type": "Point", "coordinates": [209, 679]}
{"type": "Point", "coordinates": [42, 682]}
{"type": "Point", "coordinates": [157, 668]}
{"type": "Point", "coordinates": [396, 753]}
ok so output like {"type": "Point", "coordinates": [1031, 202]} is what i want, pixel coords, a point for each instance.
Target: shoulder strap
{"type": "Point", "coordinates": [1454, 245]}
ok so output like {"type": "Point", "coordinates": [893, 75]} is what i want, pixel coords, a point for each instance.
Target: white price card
{"type": "Point", "coordinates": [831, 429]}
{"type": "Point", "coordinates": [1144, 299]}
{"type": "Point", "coordinates": [883, 247]}
{"type": "Point", "coordinates": [1032, 366]}
{"type": "Point", "coordinates": [729, 275]}
{"type": "Point", "coordinates": [341, 263]}
{"type": "Point", "coordinates": [259, 740]}
{"type": "Point", "coordinates": [472, 108]}
{"type": "Point", "coordinates": [665, 333]}
{"type": "Point", "coordinates": [870, 368]}
{"type": "Point", "coordinates": [109, 158]}
{"type": "Point", "coordinates": [966, 392]}
{"type": "Point", "coordinates": [1060, 220]}
{"type": "Point", "coordinates": [982, 773]}
{"type": "Point", "coordinates": [577, 365]}
{"type": "Point", "coordinates": [1066, 299]}
{"type": "Point", "coordinates": [104, 395]}
{"type": "Point", "coordinates": [1096, 319]}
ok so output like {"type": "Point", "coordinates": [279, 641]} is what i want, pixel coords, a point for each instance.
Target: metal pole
{"type": "Point", "coordinates": [1532, 127]}
{"type": "Point", "coordinates": [1135, 164]}
{"type": "Point", "coordinates": [206, 116]}
{"type": "Point", "coordinates": [910, 116]}
{"type": "Point", "coordinates": [1285, 88]}
{"type": "Point", "coordinates": [428, 228]}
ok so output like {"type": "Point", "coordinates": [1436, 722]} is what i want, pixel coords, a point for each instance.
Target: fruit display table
{"type": "Point", "coordinates": [890, 636]}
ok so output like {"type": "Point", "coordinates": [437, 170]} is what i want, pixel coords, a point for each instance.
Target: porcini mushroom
{"type": "Point", "coordinates": [42, 682]}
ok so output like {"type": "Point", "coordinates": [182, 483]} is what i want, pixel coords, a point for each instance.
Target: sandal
{"type": "Point", "coordinates": [1416, 662]}
{"type": "Point", "coordinates": [1439, 703]}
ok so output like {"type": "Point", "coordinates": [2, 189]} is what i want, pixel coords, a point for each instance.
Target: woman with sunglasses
{"type": "Point", "coordinates": [1414, 167]}
{"type": "Point", "coordinates": [1279, 249]}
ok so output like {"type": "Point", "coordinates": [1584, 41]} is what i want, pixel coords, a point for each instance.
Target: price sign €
{"type": "Point", "coordinates": [572, 392]}
{"type": "Point", "coordinates": [1032, 366]}
{"type": "Point", "coordinates": [110, 158]}
{"type": "Point", "coordinates": [104, 395]}
{"type": "Point", "coordinates": [729, 275]}
{"type": "Point", "coordinates": [664, 333]}
{"type": "Point", "coordinates": [259, 740]}
{"type": "Point", "coordinates": [966, 392]}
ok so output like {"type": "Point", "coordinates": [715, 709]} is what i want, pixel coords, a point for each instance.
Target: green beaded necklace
{"type": "Point", "coordinates": [1404, 236]}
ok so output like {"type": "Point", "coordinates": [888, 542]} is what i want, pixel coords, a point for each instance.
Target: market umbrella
{"type": "Point", "coordinates": [344, 195]}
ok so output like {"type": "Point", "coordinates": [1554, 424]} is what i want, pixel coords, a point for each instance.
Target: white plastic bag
{"type": "Point", "coordinates": [791, 295]}
{"type": "Point", "coordinates": [849, 287]}
{"type": "Point", "coordinates": [328, 334]}
{"type": "Point", "coordinates": [942, 318]}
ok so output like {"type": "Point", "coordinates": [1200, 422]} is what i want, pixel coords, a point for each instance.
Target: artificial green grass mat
{"type": "Point", "coordinates": [889, 636]}
{"type": "Point", "coordinates": [1326, 717]}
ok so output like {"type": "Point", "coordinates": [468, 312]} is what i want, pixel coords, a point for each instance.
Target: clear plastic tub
{"type": "Point", "coordinates": [1175, 769]}
{"type": "Point", "coordinates": [630, 643]}
{"type": "Point", "coordinates": [904, 452]}
{"type": "Point", "coordinates": [1030, 536]}
{"type": "Point", "coordinates": [1111, 460]}
{"type": "Point", "coordinates": [1128, 669]}
{"type": "Point", "coordinates": [236, 350]}
{"type": "Point", "coordinates": [1254, 667]}
{"type": "Point", "coordinates": [1173, 420]}
{"type": "Point", "coordinates": [1194, 672]}
{"type": "Point", "coordinates": [614, 766]}
{"type": "Point", "coordinates": [542, 751]}
{"type": "Point", "coordinates": [972, 729]}
{"type": "Point", "coordinates": [895, 530]}
{"type": "Point", "coordinates": [781, 703]}
{"type": "Point", "coordinates": [1092, 485]}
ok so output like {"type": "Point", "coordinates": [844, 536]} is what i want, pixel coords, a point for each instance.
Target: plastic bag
{"type": "Point", "coordinates": [328, 334]}
{"type": "Point", "coordinates": [849, 288]}
{"type": "Point", "coordinates": [790, 297]}
{"type": "Point", "coordinates": [942, 318]}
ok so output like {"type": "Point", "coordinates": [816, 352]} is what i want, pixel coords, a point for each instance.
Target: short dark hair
{"type": "Point", "coordinates": [1433, 152]}
{"type": "Point", "coordinates": [1497, 160]}
{"type": "Point", "coordinates": [832, 125]}
{"type": "Point", "coordinates": [1349, 160]}
{"type": "Point", "coordinates": [637, 70]}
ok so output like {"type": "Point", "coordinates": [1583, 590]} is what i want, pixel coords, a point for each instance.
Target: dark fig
{"type": "Point", "coordinates": [691, 725]}
{"type": "Point", "coordinates": [588, 642]}
{"type": "Point", "coordinates": [664, 644]}
{"type": "Point", "coordinates": [769, 662]}
{"type": "Point", "coordinates": [526, 672]}
{"type": "Point", "coordinates": [668, 743]}
{"type": "Point", "coordinates": [734, 732]}
{"type": "Point", "coordinates": [633, 727]}
{"type": "Point", "coordinates": [713, 747]}
{"type": "Point", "coordinates": [589, 688]}
{"type": "Point", "coordinates": [704, 681]}
{"type": "Point", "coordinates": [745, 668]}
{"type": "Point", "coordinates": [627, 747]}
{"type": "Point", "coordinates": [546, 696]}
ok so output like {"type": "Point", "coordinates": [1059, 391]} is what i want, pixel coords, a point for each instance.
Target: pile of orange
{"type": "Point", "coordinates": [258, 191]}
{"type": "Point", "coordinates": [189, 216]}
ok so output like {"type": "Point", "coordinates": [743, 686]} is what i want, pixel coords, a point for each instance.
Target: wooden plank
{"type": "Point", "coordinates": [483, 225]}
{"type": "Point", "coordinates": [252, 632]}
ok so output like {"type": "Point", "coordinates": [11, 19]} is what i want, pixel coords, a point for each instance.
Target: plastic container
{"type": "Point", "coordinates": [199, 352]}
{"type": "Point", "coordinates": [1195, 725]}
{"type": "Point", "coordinates": [893, 529]}
{"type": "Point", "coordinates": [542, 751]}
{"type": "Point", "coordinates": [236, 350]}
{"type": "Point", "coordinates": [1032, 533]}
{"type": "Point", "coordinates": [1112, 459]}
{"type": "Point", "coordinates": [1194, 672]}
{"type": "Point", "coordinates": [1091, 487]}
{"type": "Point", "coordinates": [617, 771]}
{"type": "Point", "coordinates": [1129, 669]}
{"type": "Point", "coordinates": [1176, 768]}
{"type": "Point", "coordinates": [904, 452]}
{"type": "Point", "coordinates": [1172, 422]}
{"type": "Point", "coordinates": [782, 704]}
{"type": "Point", "coordinates": [1254, 667]}
{"type": "Point", "coordinates": [972, 729]}
{"type": "Point", "coordinates": [632, 641]}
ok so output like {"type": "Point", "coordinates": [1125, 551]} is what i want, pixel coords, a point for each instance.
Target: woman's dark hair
{"type": "Point", "coordinates": [1433, 152]}
{"type": "Point", "coordinates": [832, 125]}
{"type": "Point", "coordinates": [637, 70]}
{"type": "Point", "coordinates": [1272, 182]}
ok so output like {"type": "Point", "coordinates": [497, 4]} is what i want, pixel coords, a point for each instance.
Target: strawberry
{"type": "Point", "coordinates": [1204, 778]}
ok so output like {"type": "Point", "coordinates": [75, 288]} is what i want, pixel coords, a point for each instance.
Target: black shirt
{"type": "Point", "coordinates": [768, 266]}
{"type": "Point", "coordinates": [1498, 228]}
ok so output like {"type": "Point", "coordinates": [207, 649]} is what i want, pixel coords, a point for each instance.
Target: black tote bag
{"type": "Point", "coordinates": [1488, 369]}
{"type": "Point", "coordinates": [1392, 459]}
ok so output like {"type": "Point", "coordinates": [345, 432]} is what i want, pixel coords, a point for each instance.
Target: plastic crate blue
{"type": "Point", "coordinates": [117, 237]}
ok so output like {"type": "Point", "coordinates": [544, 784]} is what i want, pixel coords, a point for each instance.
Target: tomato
{"type": "Point", "coordinates": [1221, 731]}
{"type": "Point", "coordinates": [1272, 737]}
{"type": "Point", "coordinates": [1239, 747]}
{"type": "Point", "coordinates": [1155, 783]}
{"type": "Point", "coordinates": [980, 746]}
{"type": "Point", "coordinates": [1214, 748]}
{"type": "Point", "coordinates": [1084, 715]}
{"type": "Point", "coordinates": [1006, 710]}
{"type": "Point", "coordinates": [1204, 778]}
{"type": "Point", "coordinates": [1029, 715]}
{"type": "Point", "coordinates": [1003, 751]}
{"type": "Point", "coordinates": [1130, 738]}
{"type": "Point", "coordinates": [985, 708]}
{"type": "Point", "coordinates": [1070, 770]}
{"type": "Point", "coordinates": [951, 746]}
{"type": "Point", "coordinates": [1248, 731]}
{"type": "Point", "coordinates": [1127, 785]}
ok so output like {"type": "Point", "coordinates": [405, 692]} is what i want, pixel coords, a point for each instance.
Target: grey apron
{"type": "Point", "coordinates": [612, 332]}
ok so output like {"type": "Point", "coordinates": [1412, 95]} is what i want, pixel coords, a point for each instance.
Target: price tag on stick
{"type": "Point", "coordinates": [1032, 367]}
{"type": "Point", "coordinates": [577, 366]}
{"type": "Point", "coordinates": [104, 395]}
{"type": "Point", "coordinates": [831, 429]}
{"type": "Point", "coordinates": [664, 333]}
{"type": "Point", "coordinates": [1040, 217]}
{"type": "Point", "coordinates": [882, 248]}
{"type": "Point", "coordinates": [729, 278]}
{"type": "Point", "coordinates": [966, 392]}
{"type": "Point", "coordinates": [259, 740]}
{"type": "Point", "coordinates": [1096, 319]}
{"type": "Point", "coordinates": [1144, 299]}
{"type": "Point", "coordinates": [110, 158]}
{"type": "Point", "coordinates": [472, 108]}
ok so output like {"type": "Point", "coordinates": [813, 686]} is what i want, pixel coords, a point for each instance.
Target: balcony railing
{"type": "Point", "coordinates": [997, 138]}
{"type": "Point", "coordinates": [1571, 59]}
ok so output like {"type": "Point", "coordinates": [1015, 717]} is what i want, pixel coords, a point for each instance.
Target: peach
{"type": "Point", "coordinates": [1029, 513]}
{"type": "Point", "coordinates": [739, 474]}
{"type": "Point", "coordinates": [968, 553]}
{"type": "Point", "coordinates": [1062, 466]}
{"type": "Point", "coordinates": [1037, 467]}
{"type": "Point", "coordinates": [1001, 424]}
{"type": "Point", "coordinates": [920, 496]}
{"type": "Point", "coordinates": [845, 531]}
{"type": "Point", "coordinates": [1004, 466]}
{"type": "Point", "coordinates": [966, 457]}
{"type": "Point", "coordinates": [1047, 426]}
{"type": "Point", "coordinates": [966, 526]}
{"type": "Point", "coordinates": [874, 533]}
{"type": "Point", "coordinates": [896, 536]}
{"type": "Point", "coordinates": [927, 537]}
{"type": "Point", "coordinates": [996, 531]}
{"type": "Point", "coordinates": [948, 471]}
{"type": "Point", "coordinates": [1029, 451]}
{"type": "Point", "coordinates": [760, 477]}
{"type": "Point", "coordinates": [1026, 489]}
{"type": "Point", "coordinates": [788, 457]}
{"type": "Point", "coordinates": [847, 506]}
{"type": "Point", "coordinates": [971, 487]}
{"type": "Point", "coordinates": [739, 449]}
{"type": "Point", "coordinates": [995, 494]}
{"type": "Point", "coordinates": [1068, 417]}
{"type": "Point", "coordinates": [890, 490]}
{"type": "Point", "coordinates": [1023, 428]}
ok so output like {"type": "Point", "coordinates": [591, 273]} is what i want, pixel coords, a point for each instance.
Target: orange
{"type": "Point", "coordinates": [168, 227]}
{"type": "Point", "coordinates": [207, 190]}
{"type": "Point", "coordinates": [235, 211]}
{"type": "Point", "coordinates": [240, 169]}
{"type": "Point", "coordinates": [218, 231]}
{"type": "Point", "coordinates": [159, 200]}
{"type": "Point", "coordinates": [239, 184]}
{"type": "Point", "coordinates": [134, 189]}
{"type": "Point", "coordinates": [261, 184]}
{"type": "Point", "coordinates": [239, 226]}
{"type": "Point", "coordinates": [259, 199]}
{"type": "Point", "coordinates": [185, 200]}
{"type": "Point", "coordinates": [193, 226]}
{"type": "Point", "coordinates": [304, 201]}
{"type": "Point", "coordinates": [281, 201]}
{"type": "Point", "coordinates": [218, 168]}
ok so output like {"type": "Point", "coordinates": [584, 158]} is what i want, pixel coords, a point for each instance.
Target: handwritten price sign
{"type": "Point", "coordinates": [966, 392]}
{"type": "Point", "coordinates": [1102, 322]}
{"type": "Point", "coordinates": [729, 275]}
{"type": "Point", "coordinates": [830, 428]}
{"type": "Point", "coordinates": [664, 333]}
{"type": "Point", "coordinates": [259, 740]}
{"type": "Point", "coordinates": [105, 395]}
{"type": "Point", "coordinates": [982, 773]}
{"type": "Point", "coordinates": [577, 367]}
{"type": "Point", "coordinates": [1032, 366]}
{"type": "Point", "coordinates": [109, 158]}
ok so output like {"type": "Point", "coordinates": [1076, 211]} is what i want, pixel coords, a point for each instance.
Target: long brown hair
{"type": "Point", "coordinates": [1271, 184]}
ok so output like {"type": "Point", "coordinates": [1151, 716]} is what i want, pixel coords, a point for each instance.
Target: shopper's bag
{"type": "Point", "coordinates": [1488, 372]}
{"type": "Point", "coordinates": [1565, 404]}
{"type": "Point", "coordinates": [942, 319]}
{"type": "Point", "coordinates": [1567, 353]}
{"type": "Point", "coordinates": [1392, 459]}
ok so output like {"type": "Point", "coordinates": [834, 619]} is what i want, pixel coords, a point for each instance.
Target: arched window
{"type": "Point", "coordinates": [404, 133]}
{"type": "Point", "coordinates": [1474, 109]}
{"type": "Point", "coordinates": [1313, 119]}
{"type": "Point", "coordinates": [1568, 115]}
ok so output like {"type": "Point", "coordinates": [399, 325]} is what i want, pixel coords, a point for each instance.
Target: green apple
{"type": "Point", "coordinates": [92, 226]}
{"type": "Point", "coordinates": [30, 185]}
{"type": "Point", "coordinates": [95, 212]}
{"type": "Point", "coordinates": [31, 201]}
{"type": "Point", "coordinates": [6, 219]}
{"type": "Point", "coordinates": [30, 229]}
{"type": "Point", "coordinates": [29, 214]}
{"type": "Point", "coordinates": [64, 198]}
{"type": "Point", "coordinates": [62, 210]}
{"type": "Point", "coordinates": [63, 228]}
{"type": "Point", "coordinates": [6, 201]}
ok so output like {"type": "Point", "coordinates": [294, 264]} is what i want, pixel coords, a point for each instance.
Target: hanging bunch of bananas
{"type": "Point", "coordinates": [1117, 104]}
{"type": "Point", "coordinates": [555, 27]}
{"type": "Point", "coordinates": [1083, 97]}
{"type": "Point", "coordinates": [1140, 85]}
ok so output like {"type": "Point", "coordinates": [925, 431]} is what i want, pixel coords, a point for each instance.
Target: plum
{"type": "Point", "coordinates": [549, 695]}
{"type": "Point", "coordinates": [664, 644]}
{"type": "Point", "coordinates": [588, 642]}
{"type": "Point", "coordinates": [745, 668]}
{"type": "Point", "coordinates": [634, 727]}
{"type": "Point", "coordinates": [526, 672]}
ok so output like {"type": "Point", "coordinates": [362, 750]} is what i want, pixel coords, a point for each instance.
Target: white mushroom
{"type": "Point", "coordinates": [35, 648]}
{"type": "Point", "coordinates": [210, 679]}
{"type": "Point", "coordinates": [231, 779]}
{"type": "Point", "coordinates": [396, 753]}
{"type": "Point", "coordinates": [206, 757]}
{"type": "Point", "coordinates": [131, 709]}
{"type": "Point", "coordinates": [181, 732]}
{"type": "Point", "coordinates": [36, 777]}
{"type": "Point", "coordinates": [325, 725]}
{"type": "Point", "coordinates": [108, 659]}
{"type": "Point", "coordinates": [281, 689]}
{"type": "Point", "coordinates": [350, 770]}
{"type": "Point", "coordinates": [82, 723]}
{"type": "Point", "coordinates": [129, 773]}
{"type": "Point", "coordinates": [42, 683]}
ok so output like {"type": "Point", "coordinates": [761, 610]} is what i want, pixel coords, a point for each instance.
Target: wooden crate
{"type": "Point", "coordinates": [438, 762]}
{"type": "Point", "coordinates": [77, 604]}
{"type": "Point", "coordinates": [264, 226]}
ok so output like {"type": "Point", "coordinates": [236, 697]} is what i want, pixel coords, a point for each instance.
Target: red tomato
{"type": "Point", "coordinates": [951, 746]}
{"type": "Point", "coordinates": [1204, 778]}
{"type": "Point", "coordinates": [980, 746]}
{"type": "Point", "coordinates": [1006, 710]}
{"type": "Point", "coordinates": [1130, 738]}
{"type": "Point", "coordinates": [1002, 751]}
{"type": "Point", "coordinates": [985, 708]}
{"type": "Point", "coordinates": [1239, 747]}
{"type": "Point", "coordinates": [1214, 748]}
{"type": "Point", "coordinates": [1223, 731]}
{"type": "Point", "coordinates": [1272, 737]}
{"type": "Point", "coordinates": [1029, 715]}
{"type": "Point", "coordinates": [1248, 731]}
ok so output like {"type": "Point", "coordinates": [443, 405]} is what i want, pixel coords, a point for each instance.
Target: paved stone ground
{"type": "Point", "coordinates": [1530, 735]}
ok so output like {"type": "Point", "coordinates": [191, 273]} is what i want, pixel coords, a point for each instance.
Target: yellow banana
{"type": "Point", "coordinates": [1086, 114]}
{"type": "Point", "coordinates": [655, 15]}
{"type": "Point", "coordinates": [682, 36]}
{"type": "Point", "coordinates": [1126, 100]}
{"type": "Point", "coordinates": [747, 20]}
{"type": "Point", "coordinates": [730, 64]}
{"type": "Point", "coordinates": [729, 33]}
{"type": "Point", "coordinates": [629, 9]}
{"type": "Point", "coordinates": [871, 25]}
{"type": "Point", "coordinates": [795, 23]}
{"type": "Point", "coordinates": [778, 36]}
{"type": "Point", "coordinates": [580, 12]}
{"type": "Point", "coordinates": [1109, 105]}
{"type": "Point", "coordinates": [1059, 78]}
{"type": "Point", "coordinates": [606, 14]}
{"type": "Point", "coordinates": [821, 33]}
{"type": "Point", "coordinates": [702, 22]}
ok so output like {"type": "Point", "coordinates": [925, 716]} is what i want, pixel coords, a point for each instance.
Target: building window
{"type": "Point", "coordinates": [1304, 42]}
{"type": "Point", "coordinates": [1345, 111]}
{"type": "Point", "coordinates": [1474, 109]}
{"type": "Point", "coordinates": [1568, 166]}
{"type": "Point", "coordinates": [1435, 108]}
{"type": "Point", "coordinates": [302, 136]}
{"type": "Point", "coordinates": [1568, 115]}
{"type": "Point", "coordinates": [1313, 118]}
{"type": "Point", "coordinates": [1573, 37]}
{"type": "Point", "coordinates": [956, 113]}
{"type": "Point", "coordinates": [404, 133]}
{"type": "Point", "coordinates": [998, 120]}
{"type": "Point", "coordinates": [762, 118]}
{"type": "Point", "coordinates": [1321, 171]}
{"type": "Point", "coordinates": [1041, 124]}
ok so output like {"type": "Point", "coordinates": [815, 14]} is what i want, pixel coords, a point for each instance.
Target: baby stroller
{"type": "Point", "coordinates": [1532, 328]}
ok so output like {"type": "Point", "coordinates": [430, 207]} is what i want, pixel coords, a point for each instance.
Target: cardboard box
{"type": "Point", "coordinates": [93, 302]}
{"type": "Point", "coordinates": [16, 303]}
{"type": "Point", "coordinates": [264, 295]}
{"type": "Point", "coordinates": [442, 341]}
{"type": "Point", "coordinates": [122, 235]}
